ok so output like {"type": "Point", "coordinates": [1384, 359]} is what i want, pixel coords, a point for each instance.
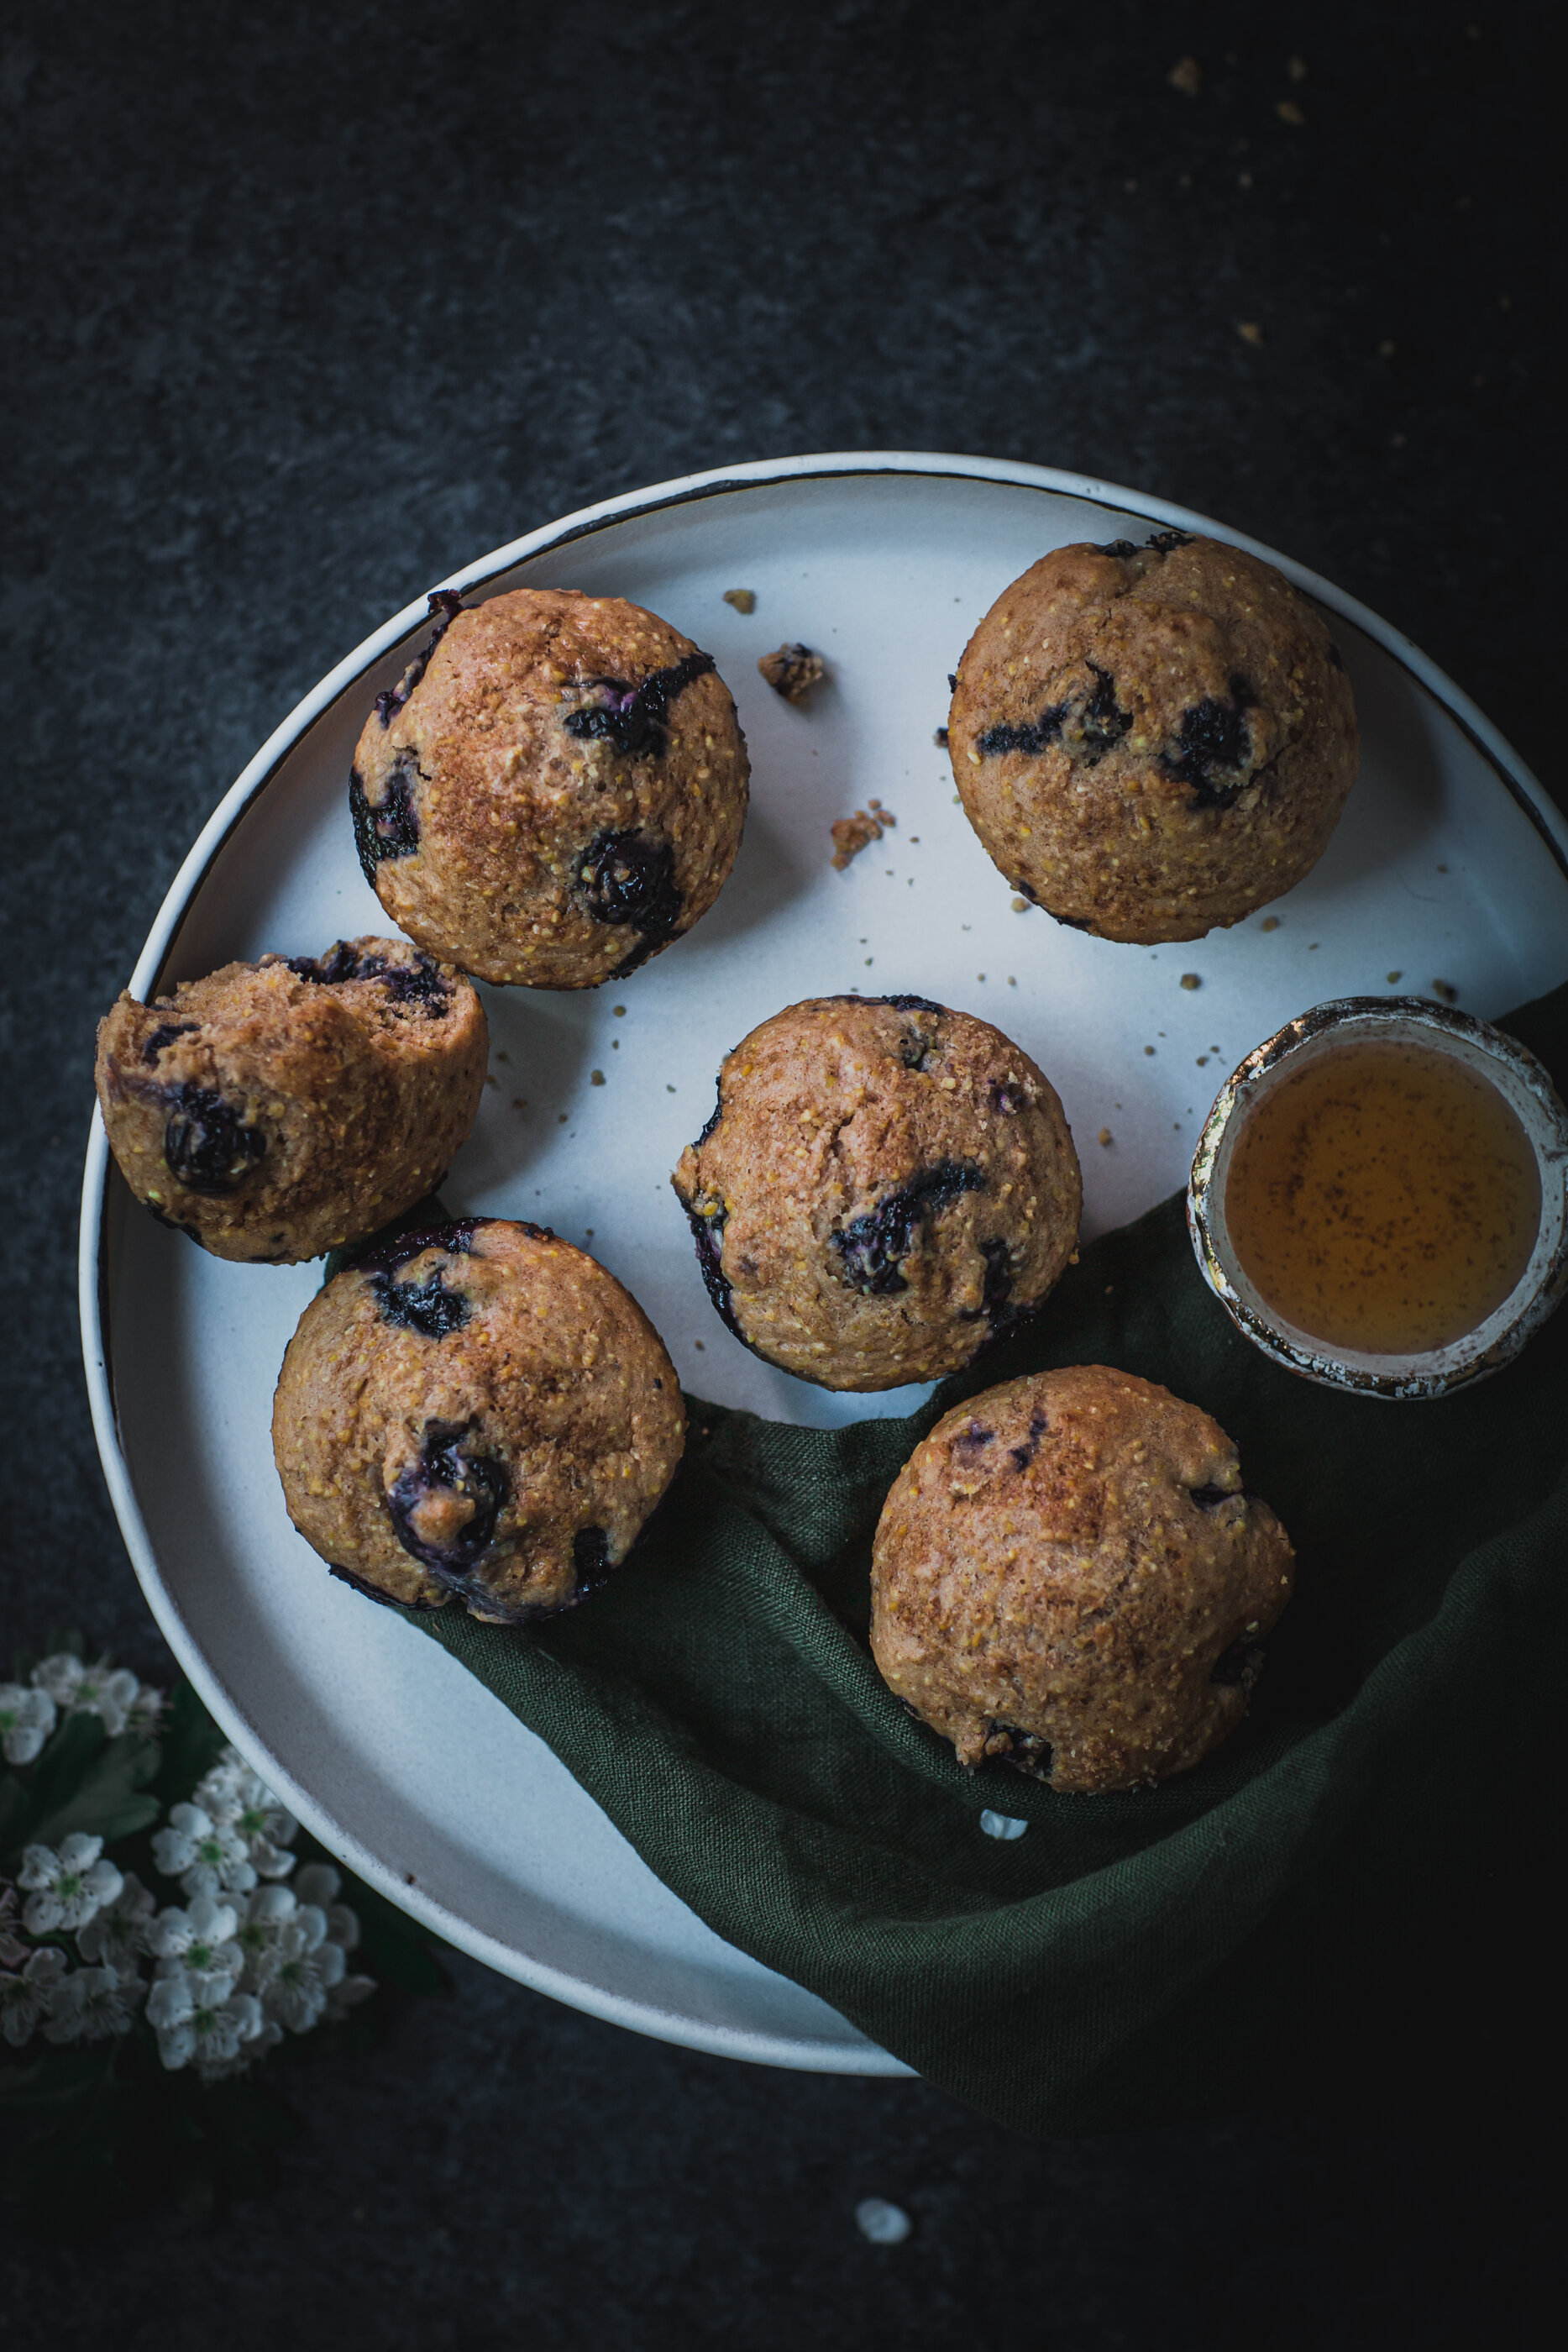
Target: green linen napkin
{"type": "Point", "coordinates": [1134, 1958]}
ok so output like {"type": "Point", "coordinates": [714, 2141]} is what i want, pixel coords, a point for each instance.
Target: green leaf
{"type": "Point", "coordinates": [86, 1781]}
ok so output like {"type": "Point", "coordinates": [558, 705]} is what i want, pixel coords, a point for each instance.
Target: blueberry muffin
{"type": "Point", "coordinates": [1153, 740]}
{"type": "Point", "coordinates": [885, 1185]}
{"type": "Point", "coordinates": [478, 1412]}
{"type": "Point", "coordinates": [1068, 1573]}
{"type": "Point", "coordinates": [555, 790]}
{"type": "Point", "coordinates": [277, 1110]}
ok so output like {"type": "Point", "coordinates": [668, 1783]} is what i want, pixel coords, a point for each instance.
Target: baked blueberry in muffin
{"type": "Point", "coordinates": [1070, 1574]}
{"type": "Point", "coordinates": [885, 1185]}
{"type": "Point", "coordinates": [277, 1110]}
{"type": "Point", "coordinates": [479, 1412]}
{"type": "Point", "coordinates": [1153, 740]}
{"type": "Point", "coordinates": [554, 791]}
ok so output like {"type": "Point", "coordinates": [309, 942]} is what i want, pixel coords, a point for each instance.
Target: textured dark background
{"type": "Point", "coordinates": [306, 306]}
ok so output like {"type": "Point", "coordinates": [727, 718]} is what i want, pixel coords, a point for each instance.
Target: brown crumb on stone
{"type": "Point", "coordinates": [1020, 905]}
{"type": "Point", "coordinates": [1269, 923]}
{"type": "Point", "coordinates": [1393, 976]}
{"type": "Point", "coordinates": [596, 1077]}
{"type": "Point", "coordinates": [1104, 1135]}
{"type": "Point", "coordinates": [1297, 69]}
{"type": "Point", "coordinates": [792, 670]}
{"type": "Point", "coordinates": [1386, 348]}
{"type": "Point", "coordinates": [1249, 331]}
{"type": "Point", "coordinates": [1446, 990]}
{"type": "Point", "coordinates": [853, 833]}
{"type": "Point", "coordinates": [742, 599]}
{"type": "Point", "coordinates": [1185, 75]}
{"type": "Point", "coordinates": [1288, 111]}
{"type": "Point", "coordinates": [1190, 979]}
{"type": "Point", "coordinates": [940, 738]}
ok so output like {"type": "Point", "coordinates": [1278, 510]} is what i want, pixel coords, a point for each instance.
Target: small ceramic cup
{"type": "Point", "coordinates": [1524, 1086]}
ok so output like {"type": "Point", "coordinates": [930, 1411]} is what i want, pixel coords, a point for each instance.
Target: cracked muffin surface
{"type": "Point", "coordinates": [276, 1109]}
{"type": "Point", "coordinates": [884, 1186]}
{"type": "Point", "coordinates": [476, 1412]}
{"type": "Point", "coordinates": [1068, 1573]}
{"type": "Point", "coordinates": [1152, 741]}
{"type": "Point", "coordinates": [553, 791]}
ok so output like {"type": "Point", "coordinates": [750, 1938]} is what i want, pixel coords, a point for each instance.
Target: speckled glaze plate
{"type": "Point", "coordinates": [1449, 865]}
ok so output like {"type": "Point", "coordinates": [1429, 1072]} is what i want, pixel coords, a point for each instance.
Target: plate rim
{"type": "Point", "coordinates": [861, 2055]}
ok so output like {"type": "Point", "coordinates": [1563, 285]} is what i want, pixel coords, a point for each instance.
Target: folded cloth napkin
{"type": "Point", "coordinates": [1129, 1958]}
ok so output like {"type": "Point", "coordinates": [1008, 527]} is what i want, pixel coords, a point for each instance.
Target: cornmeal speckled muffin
{"type": "Point", "coordinates": [1153, 740]}
{"type": "Point", "coordinates": [884, 1186]}
{"type": "Point", "coordinates": [277, 1110]}
{"type": "Point", "coordinates": [554, 792]}
{"type": "Point", "coordinates": [478, 1412]}
{"type": "Point", "coordinates": [1068, 1573]}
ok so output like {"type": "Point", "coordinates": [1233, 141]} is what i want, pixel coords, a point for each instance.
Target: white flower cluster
{"type": "Point", "coordinates": [63, 1685]}
{"type": "Point", "coordinates": [232, 1970]}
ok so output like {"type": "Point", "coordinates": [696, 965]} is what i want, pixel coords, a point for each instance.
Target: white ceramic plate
{"type": "Point", "coordinates": [1449, 865]}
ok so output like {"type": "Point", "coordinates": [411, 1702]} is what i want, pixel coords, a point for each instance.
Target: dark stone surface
{"type": "Point", "coordinates": [308, 306]}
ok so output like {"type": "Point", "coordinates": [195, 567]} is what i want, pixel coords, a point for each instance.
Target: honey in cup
{"type": "Point", "coordinates": [1385, 1198]}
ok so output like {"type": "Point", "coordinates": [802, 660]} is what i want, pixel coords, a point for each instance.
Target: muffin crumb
{"type": "Point", "coordinates": [792, 671]}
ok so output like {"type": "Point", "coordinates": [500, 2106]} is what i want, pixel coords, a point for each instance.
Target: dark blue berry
{"type": "Point", "coordinates": [419, 982]}
{"type": "Point", "coordinates": [165, 1034]}
{"type": "Point", "coordinates": [1209, 1499]}
{"type": "Point", "coordinates": [1117, 547]}
{"type": "Point", "coordinates": [973, 1435]}
{"type": "Point", "coordinates": [1335, 656]}
{"type": "Point", "coordinates": [714, 1115]}
{"type": "Point", "coordinates": [1092, 724]}
{"type": "Point", "coordinates": [390, 829]}
{"type": "Point", "coordinates": [629, 879]}
{"type": "Point", "coordinates": [1213, 749]}
{"type": "Point", "coordinates": [446, 604]}
{"type": "Point", "coordinates": [1238, 1666]}
{"type": "Point", "coordinates": [591, 1559]}
{"type": "Point", "coordinates": [707, 1232]}
{"type": "Point", "coordinates": [446, 1465]}
{"type": "Point", "coordinates": [176, 1225]}
{"type": "Point", "coordinates": [1026, 1751]}
{"type": "Point", "coordinates": [872, 1248]}
{"type": "Point", "coordinates": [427, 1307]}
{"type": "Point", "coordinates": [999, 1282]}
{"type": "Point", "coordinates": [1163, 541]}
{"type": "Point", "coordinates": [904, 1003]}
{"type": "Point", "coordinates": [208, 1146]}
{"type": "Point", "coordinates": [1024, 1455]}
{"type": "Point", "coordinates": [636, 718]}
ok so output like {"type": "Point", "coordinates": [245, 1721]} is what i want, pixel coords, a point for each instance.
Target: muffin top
{"type": "Point", "coordinates": [1153, 740]}
{"type": "Point", "coordinates": [555, 790]}
{"type": "Point", "coordinates": [1069, 1573]}
{"type": "Point", "coordinates": [279, 1109]}
{"type": "Point", "coordinates": [885, 1184]}
{"type": "Point", "coordinates": [478, 1412]}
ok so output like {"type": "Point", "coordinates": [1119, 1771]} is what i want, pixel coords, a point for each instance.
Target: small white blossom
{"type": "Point", "coordinates": [239, 1800]}
{"type": "Point", "coordinates": [145, 1711]}
{"type": "Point", "coordinates": [120, 1931]}
{"type": "Point", "coordinates": [92, 2003]}
{"type": "Point", "coordinates": [78, 1689]}
{"type": "Point", "coordinates": [346, 1995]}
{"type": "Point", "coordinates": [27, 1720]}
{"type": "Point", "coordinates": [204, 1858]}
{"type": "Point", "coordinates": [201, 1940]}
{"type": "Point", "coordinates": [67, 1888]}
{"type": "Point", "coordinates": [13, 1951]}
{"type": "Point", "coordinates": [299, 1969]}
{"type": "Point", "coordinates": [206, 2025]}
{"type": "Point", "coordinates": [319, 1884]}
{"type": "Point", "coordinates": [24, 1999]}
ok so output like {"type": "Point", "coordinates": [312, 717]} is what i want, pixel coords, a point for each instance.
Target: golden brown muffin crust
{"type": "Point", "coordinates": [558, 794]}
{"type": "Point", "coordinates": [277, 1110]}
{"type": "Point", "coordinates": [481, 1413]}
{"type": "Point", "coordinates": [1068, 1573]}
{"type": "Point", "coordinates": [885, 1182]}
{"type": "Point", "coordinates": [1151, 741]}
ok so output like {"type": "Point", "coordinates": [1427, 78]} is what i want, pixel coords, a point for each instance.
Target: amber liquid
{"type": "Point", "coordinates": [1385, 1198]}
